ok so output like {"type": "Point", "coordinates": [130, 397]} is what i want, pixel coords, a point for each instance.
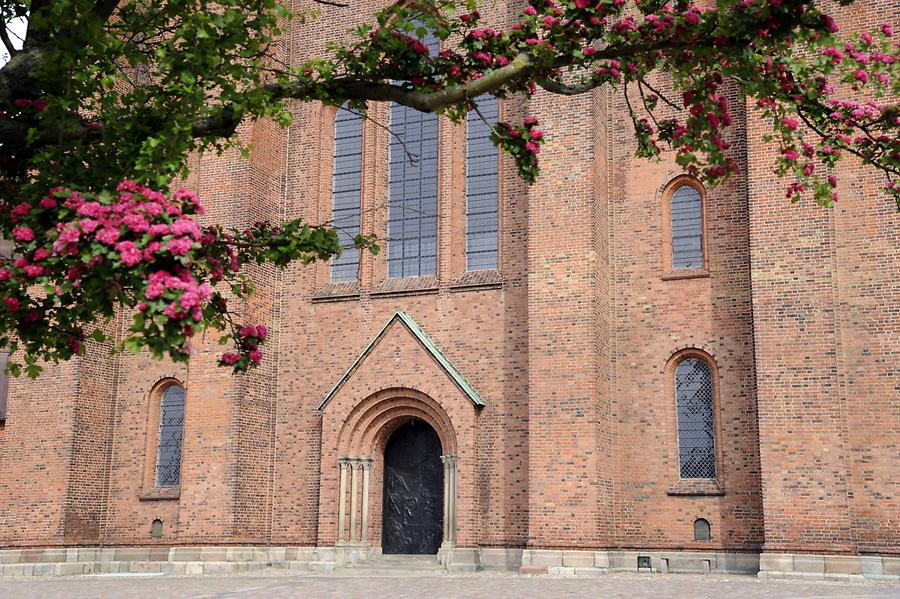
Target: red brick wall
{"type": "Point", "coordinates": [569, 343]}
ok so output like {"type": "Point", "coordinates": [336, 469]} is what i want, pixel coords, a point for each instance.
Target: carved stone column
{"type": "Point", "coordinates": [354, 497]}
{"type": "Point", "coordinates": [449, 499]}
{"type": "Point", "coordinates": [366, 464]}
{"type": "Point", "coordinates": [344, 463]}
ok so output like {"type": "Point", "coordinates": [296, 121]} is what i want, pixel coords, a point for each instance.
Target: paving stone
{"type": "Point", "coordinates": [277, 584]}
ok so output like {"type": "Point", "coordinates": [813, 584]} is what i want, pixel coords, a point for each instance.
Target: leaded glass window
{"type": "Point", "coordinates": [171, 430]}
{"type": "Point", "coordinates": [345, 191]}
{"type": "Point", "coordinates": [481, 187]}
{"type": "Point", "coordinates": [413, 189]}
{"type": "Point", "coordinates": [687, 228]}
{"type": "Point", "coordinates": [696, 426]}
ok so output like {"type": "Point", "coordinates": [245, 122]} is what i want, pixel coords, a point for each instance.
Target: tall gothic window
{"type": "Point", "coordinates": [171, 430]}
{"type": "Point", "coordinates": [696, 424]}
{"type": "Point", "coordinates": [413, 189]}
{"type": "Point", "coordinates": [4, 385]}
{"type": "Point", "coordinates": [481, 187]}
{"type": "Point", "coordinates": [687, 227]}
{"type": "Point", "coordinates": [345, 192]}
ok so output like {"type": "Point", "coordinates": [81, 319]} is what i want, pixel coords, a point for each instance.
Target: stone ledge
{"type": "Point", "coordinates": [800, 566]}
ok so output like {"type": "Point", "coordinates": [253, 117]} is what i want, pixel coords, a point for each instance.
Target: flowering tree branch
{"type": "Point", "coordinates": [106, 100]}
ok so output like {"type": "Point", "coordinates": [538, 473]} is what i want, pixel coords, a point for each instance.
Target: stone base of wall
{"type": "Point", "coordinates": [833, 567]}
{"type": "Point", "coordinates": [576, 562]}
{"type": "Point", "coordinates": [220, 560]}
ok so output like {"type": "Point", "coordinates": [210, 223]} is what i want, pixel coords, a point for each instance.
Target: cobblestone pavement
{"type": "Point", "coordinates": [275, 585]}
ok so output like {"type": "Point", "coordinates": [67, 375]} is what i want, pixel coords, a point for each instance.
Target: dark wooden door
{"type": "Point", "coordinates": [412, 519]}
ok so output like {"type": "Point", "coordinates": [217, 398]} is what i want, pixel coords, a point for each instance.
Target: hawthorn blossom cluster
{"type": "Point", "coordinates": [575, 46]}
{"type": "Point", "coordinates": [249, 339]}
{"type": "Point", "coordinates": [80, 256]}
{"type": "Point", "coordinates": [523, 143]}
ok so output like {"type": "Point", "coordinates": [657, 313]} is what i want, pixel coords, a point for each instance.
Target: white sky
{"type": "Point", "coordinates": [16, 30]}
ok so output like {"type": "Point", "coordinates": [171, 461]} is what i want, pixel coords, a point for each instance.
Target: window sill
{"type": "Point", "coordinates": [688, 273]}
{"type": "Point", "coordinates": [697, 487]}
{"type": "Point", "coordinates": [337, 292]}
{"type": "Point", "coordinates": [477, 280]}
{"type": "Point", "coordinates": [160, 494]}
{"type": "Point", "coordinates": [406, 286]}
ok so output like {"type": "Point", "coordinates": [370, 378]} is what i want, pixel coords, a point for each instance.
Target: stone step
{"type": "Point", "coordinates": [396, 564]}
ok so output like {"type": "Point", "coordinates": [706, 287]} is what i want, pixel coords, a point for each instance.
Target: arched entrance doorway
{"type": "Point", "coordinates": [412, 519]}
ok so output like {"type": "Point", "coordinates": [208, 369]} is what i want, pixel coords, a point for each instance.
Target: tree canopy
{"type": "Point", "coordinates": [104, 101]}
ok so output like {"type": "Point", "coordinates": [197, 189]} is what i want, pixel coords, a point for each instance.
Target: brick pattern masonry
{"type": "Point", "coordinates": [571, 343]}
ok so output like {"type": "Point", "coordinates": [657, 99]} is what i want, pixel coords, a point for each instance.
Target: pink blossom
{"type": "Point", "coordinates": [261, 331]}
{"type": "Point", "coordinates": [530, 120]}
{"type": "Point", "coordinates": [861, 75]}
{"type": "Point", "coordinates": [186, 226]}
{"type": "Point", "coordinates": [47, 203]}
{"type": "Point", "coordinates": [136, 223]}
{"type": "Point", "coordinates": [129, 254]}
{"type": "Point", "coordinates": [230, 358]}
{"type": "Point", "coordinates": [790, 123]}
{"type": "Point", "coordinates": [530, 10]}
{"type": "Point", "coordinates": [42, 254]}
{"type": "Point", "coordinates": [790, 155]}
{"type": "Point", "coordinates": [20, 210]}
{"type": "Point", "coordinates": [158, 230]}
{"type": "Point", "coordinates": [173, 312]}
{"type": "Point", "coordinates": [582, 4]}
{"type": "Point", "coordinates": [532, 147]}
{"type": "Point", "coordinates": [88, 225]}
{"type": "Point", "coordinates": [5, 274]}
{"type": "Point", "coordinates": [180, 246]}
{"type": "Point", "coordinates": [255, 356]}
{"type": "Point", "coordinates": [692, 17]}
{"type": "Point", "coordinates": [532, 41]}
{"type": "Point", "coordinates": [550, 21]}
{"type": "Point", "coordinates": [887, 29]}
{"type": "Point", "coordinates": [33, 271]}
{"type": "Point", "coordinates": [12, 304]}
{"type": "Point", "coordinates": [536, 134]}
{"type": "Point", "coordinates": [107, 235]}
{"type": "Point", "coordinates": [22, 234]}
{"type": "Point", "coordinates": [589, 51]}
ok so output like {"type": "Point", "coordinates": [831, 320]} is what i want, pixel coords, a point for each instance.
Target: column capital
{"type": "Point", "coordinates": [366, 463]}
{"type": "Point", "coordinates": [450, 459]}
{"type": "Point", "coordinates": [344, 462]}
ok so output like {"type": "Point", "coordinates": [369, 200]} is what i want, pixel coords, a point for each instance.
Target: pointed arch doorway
{"type": "Point", "coordinates": [413, 505]}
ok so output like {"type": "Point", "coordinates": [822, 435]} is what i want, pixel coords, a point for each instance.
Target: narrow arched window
{"type": "Point", "coordinates": [702, 531]}
{"type": "Point", "coordinates": [345, 192]}
{"type": "Point", "coordinates": [4, 385]}
{"type": "Point", "coordinates": [482, 161]}
{"type": "Point", "coordinates": [171, 429]}
{"type": "Point", "coordinates": [686, 210]}
{"type": "Point", "coordinates": [696, 424]}
{"type": "Point", "coordinates": [413, 188]}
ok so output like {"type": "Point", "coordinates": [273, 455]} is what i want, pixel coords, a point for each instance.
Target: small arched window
{"type": "Point", "coordinates": [169, 441]}
{"type": "Point", "coordinates": [413, 188]}
{"type": "Point", "coordinates": [685, 207]}
{"type": "Point", "coordinates": [482, 165]}
{"type": "Point", "coordinates": [345, 191]}
{"type": "Point", "coordinates": [696, 422]}
{"type": "Point", "coordinates": [702, 532]}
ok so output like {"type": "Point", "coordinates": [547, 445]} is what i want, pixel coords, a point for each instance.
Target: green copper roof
{"type": "Point", "coordinates": [417, 332]}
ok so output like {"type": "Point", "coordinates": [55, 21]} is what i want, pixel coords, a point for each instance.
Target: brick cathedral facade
{"type": "Point", "coordinates": [550, 380]}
